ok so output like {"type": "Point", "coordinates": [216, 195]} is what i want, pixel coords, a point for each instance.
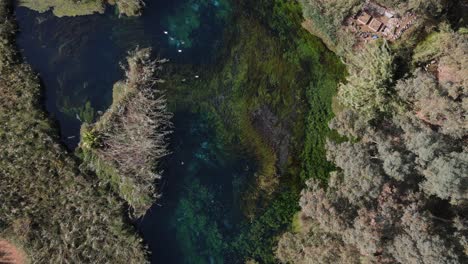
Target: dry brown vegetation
{"type": "Point", "coordinates": [129, 7]}
{"type": "Point", "coordinates": [123, 147]}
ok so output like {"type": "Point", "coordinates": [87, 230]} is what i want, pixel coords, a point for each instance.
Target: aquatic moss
{"type": "Point", "coordinates": [84, 113]}
{"type": "Point", "coordinates": [270, 68]}
{"type": "Point", "coordinates": [195, 222]}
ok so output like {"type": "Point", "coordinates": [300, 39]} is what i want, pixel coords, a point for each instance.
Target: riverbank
{"type": "Point", "coordinates": [53, 211]}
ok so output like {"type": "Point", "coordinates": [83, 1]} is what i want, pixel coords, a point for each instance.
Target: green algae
{"type": "Point", "coordinates": [85, 112]}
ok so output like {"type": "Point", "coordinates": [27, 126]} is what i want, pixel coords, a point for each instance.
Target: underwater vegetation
{"type": "Point", "coordinates": [271, 87]}
{"type": "Point", "coordinates": [271, 81]}
{"type": "Point", "coordinates": [196, 224]}
{"type": "Point", "coordinates": [85, 113]}
{"type": "Point", "coordinates": [185, 23]}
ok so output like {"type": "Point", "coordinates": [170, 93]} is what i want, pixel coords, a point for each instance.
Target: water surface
{"type": "Point", "coordinates": [78, 57]}
{"type": "Point", "coordinates": [199, 212]}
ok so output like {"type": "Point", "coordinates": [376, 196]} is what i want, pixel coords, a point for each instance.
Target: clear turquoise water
{"type": "Point", "coordinates": [199, 212]}
{"type": "Point", "coordinates": [78, 62]}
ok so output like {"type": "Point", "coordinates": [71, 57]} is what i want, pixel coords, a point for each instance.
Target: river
{"type": "Point", "coordinates": [77, 59]}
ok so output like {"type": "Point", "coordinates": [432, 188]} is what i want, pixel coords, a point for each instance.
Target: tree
{"type": "Point", "coordinates": [404, 160]}
{"type": "Point", "coordinates": [421, 242]}
{"type": "Point", "coordinates": [362, 176]}
{"type": "Point", "coordinates": [349, 123]}
{"type": "Point", "coordinates": [434, 104]}
{"type": "Point", "coordinates": [317, 247]}
{"type": "Point", "coordinates": [421, 140]}
{"type": "Point", "coordinates": [447, 177]}
{"type": "Point", "coordinates": [366, 88]}
{"type": "Point", "coordinates": [330, 209]}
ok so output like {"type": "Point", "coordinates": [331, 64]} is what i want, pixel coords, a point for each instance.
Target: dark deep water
{"type": "Point", "coordinates": [78, 57]}
{"type": "Point", "coordinates": [78, 62]}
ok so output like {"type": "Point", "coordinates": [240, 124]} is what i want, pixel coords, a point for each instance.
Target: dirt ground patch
{"type": "Point", "coordinates": [10, 254]}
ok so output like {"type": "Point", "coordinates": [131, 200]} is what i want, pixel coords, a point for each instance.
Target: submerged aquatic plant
{"type": "Point", "coordinates": [196, 226]}
{"type": "Point", "coordinates": [188, 19]}
{"type": "Point", "coordinates": [85, 113]}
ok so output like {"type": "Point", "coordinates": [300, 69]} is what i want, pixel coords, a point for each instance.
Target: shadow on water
{"type": "Point", "coordinates": [78, 62]}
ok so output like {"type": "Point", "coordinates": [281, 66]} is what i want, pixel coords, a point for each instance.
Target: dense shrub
{"type": "Point", "coordinates": [366, 88]}
{"type": "Point", "coordinates": [324, 19]}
